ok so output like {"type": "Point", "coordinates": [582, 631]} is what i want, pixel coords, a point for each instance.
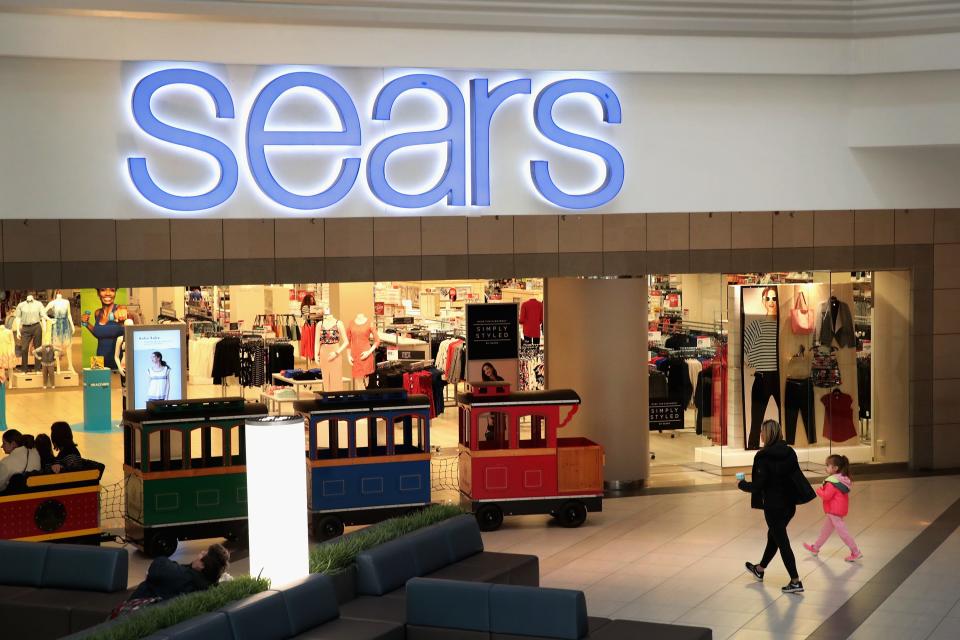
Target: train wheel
{"type": "Point", "coordinates": [329, 527]}
{"type": "Point", "coordinates": [572, 514]}
{"type": "Point", "coordinates": [489, 517]}
{"type": "Point", "coordinates": [161, 544]}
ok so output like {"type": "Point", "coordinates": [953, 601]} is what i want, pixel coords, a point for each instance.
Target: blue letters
{"type": "Point", "coordinates": [543, 117]}
{"type": "Point", "coordinates": [482, 107]}
{"type": "Point", "coordinates": [144, 117]}
{"type": "Point", "coordinates": [453, 182]}
{"type": "Point", "coordinates": [258, 138]}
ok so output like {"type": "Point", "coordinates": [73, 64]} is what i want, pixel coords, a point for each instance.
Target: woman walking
{"type": "Point", "coordinates": [777, 486]}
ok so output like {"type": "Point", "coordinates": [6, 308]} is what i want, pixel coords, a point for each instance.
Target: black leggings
{"type": "Point", "coordinates": [798, 398]}
{"type": "Point", "coordinates": [766, 385]}
{"type": "Point", "coordinates": [777, 539]}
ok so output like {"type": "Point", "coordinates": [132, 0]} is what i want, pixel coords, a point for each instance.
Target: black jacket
{"type": "Point", "coordinates": [167, 579]}
{"type": "Point", "coordinates": [777, 481]}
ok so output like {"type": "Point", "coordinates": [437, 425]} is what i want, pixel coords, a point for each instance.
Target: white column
{"type": "Point", "coordinates": [277, 499]}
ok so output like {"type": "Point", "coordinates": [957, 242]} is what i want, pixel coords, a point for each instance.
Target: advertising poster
{"type": "Point", "coordinates": [156, 369]}
{"type": "Point", "coordinates": [760, 320]}
{"type": "Point", "coordinates": [102, 312]}
{"type": "Point", "coordinates": [493, 338]}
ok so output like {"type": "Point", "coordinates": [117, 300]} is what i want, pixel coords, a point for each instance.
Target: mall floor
{"type": "Point", "coordinates": [678, 557]}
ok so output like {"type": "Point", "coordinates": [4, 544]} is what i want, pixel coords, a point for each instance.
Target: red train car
{"type": "Point", "coordinates": [512, 462]}
{"type": "Point", "coordinates": [53, 507]}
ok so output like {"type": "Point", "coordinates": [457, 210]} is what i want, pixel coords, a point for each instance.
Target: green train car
{"type": "Point", "coordinates": [185, 471]}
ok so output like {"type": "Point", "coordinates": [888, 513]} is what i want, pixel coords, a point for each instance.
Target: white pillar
{"type": "Point", "coordinates": [277, 499]}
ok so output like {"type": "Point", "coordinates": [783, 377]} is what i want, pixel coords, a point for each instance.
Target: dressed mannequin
{"type": "Point", "coordinates": [49, 358]}
{"type": "Point", "coordinates": [330, 341]}
{"type": "Point", "coordinates": [364, 340]}
{"type": "Point", "coordinates": [61, 335]}
{"type": "Point", "coordinates": [8, 351]}
{"type": "Point", "coordinates": [29, 328]}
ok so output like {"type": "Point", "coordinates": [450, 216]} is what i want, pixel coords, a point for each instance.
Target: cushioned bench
{"type": "Point", "coordinates": [452, 549]}
{"type": "Point", "coordinates": [304, 609]}
{"type": "Point", "coordinates": [50, 590]}
{"type": "Point", "coordinates": [455, 610]}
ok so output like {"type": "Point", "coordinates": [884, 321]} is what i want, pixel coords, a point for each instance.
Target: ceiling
{"type": "Point", "coordinates": [777, 18]}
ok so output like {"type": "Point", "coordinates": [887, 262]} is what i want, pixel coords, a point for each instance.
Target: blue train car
{"type": "Point", "coordinates": [368, 454]}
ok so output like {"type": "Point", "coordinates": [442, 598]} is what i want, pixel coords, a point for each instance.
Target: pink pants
{"type": "Point", "coordinates": [835, 523]}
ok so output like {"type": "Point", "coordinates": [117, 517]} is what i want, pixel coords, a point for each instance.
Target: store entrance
{"type": "Point", "coordinates": [823, 353]}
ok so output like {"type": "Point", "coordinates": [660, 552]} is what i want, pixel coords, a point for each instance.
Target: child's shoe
{"type": "Point", "coordinates": [811, 548]}
{"type": "Point", "coordinates": [793, 587]}
{"type": "Point", "coordinates": [853, 557]}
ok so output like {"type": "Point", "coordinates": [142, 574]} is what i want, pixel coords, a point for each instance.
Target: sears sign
{"type": "Point", "coordinates": [467, 131]}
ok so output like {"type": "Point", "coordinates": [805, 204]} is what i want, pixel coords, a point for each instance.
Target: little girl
{"type": "Point", "coordinates": [836, 503]}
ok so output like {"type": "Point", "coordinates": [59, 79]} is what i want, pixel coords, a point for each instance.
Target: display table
{"type": "Point", "coordinates": [298, 384]}
{"type": "Point", "coordinates": [96, 400]}
{"type": "Point", "coordinates": [275, 403]}
{"type": "Point", "coordinates": [730, 457]}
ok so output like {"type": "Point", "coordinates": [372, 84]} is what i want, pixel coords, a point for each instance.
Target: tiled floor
{"type": "Point", "coordinates": [679, 558]}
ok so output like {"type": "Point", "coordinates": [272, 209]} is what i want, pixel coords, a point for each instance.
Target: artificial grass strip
{"type": "Point", "coordinates": [153, 618]}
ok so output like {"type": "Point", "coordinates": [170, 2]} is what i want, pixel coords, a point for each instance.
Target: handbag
{"type": "Point", "coordinates": [802, 491]}
{"type": "Point", "coordinates": [801, 316]}
{"type": "Point", "coordinates": [825, 370]}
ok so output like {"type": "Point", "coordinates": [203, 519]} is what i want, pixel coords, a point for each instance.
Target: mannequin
{"type": "Point", "coordinates": [61, 335]}
{"type": "Point", "coordinates": [29, 328]}
{"type": "Point", "coordinates": [8, 351]}
{"type": "Point", "coordinates": [49, 358]}
{"type": "Point", "coordinates": [329, 342]}
{"type": "Point", "coordinates": [360, 335]}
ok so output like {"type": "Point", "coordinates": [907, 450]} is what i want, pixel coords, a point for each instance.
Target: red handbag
{"type": "Point", "coordinates": [801, 316]}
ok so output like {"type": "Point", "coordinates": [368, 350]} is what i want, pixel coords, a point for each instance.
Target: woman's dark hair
{"type": "Point", "coordinates": [19, 439]}
{"type": "Point", "coordinates": [842, 463]}
{"type": "Point", "coordinates": [61, 436]}
{"type": "Point", "coordinates": [44, 447]}
{"type": "Point", "coordinates": [483, 373]}
{"type": "Point", "coordinates": [215, 562]}
{"type": "Point", "coordinates": [160, 358]}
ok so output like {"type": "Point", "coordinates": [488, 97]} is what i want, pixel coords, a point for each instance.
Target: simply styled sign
{"type": "Point", "coordinates": [465, 135]}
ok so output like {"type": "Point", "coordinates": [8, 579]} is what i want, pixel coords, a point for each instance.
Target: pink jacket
{"type": "Point", "coordinates": [835, 494]}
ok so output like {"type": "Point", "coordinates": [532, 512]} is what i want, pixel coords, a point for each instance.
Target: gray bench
{"type": "Point", "coordinates": [455, 610]}
{"type": "Point", "coordinates": [51, 590]}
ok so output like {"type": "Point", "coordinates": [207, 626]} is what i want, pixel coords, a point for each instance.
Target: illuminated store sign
{"type": "Point", "coordinates": [461, 124]}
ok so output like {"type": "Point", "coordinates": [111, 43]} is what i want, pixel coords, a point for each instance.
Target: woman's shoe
{"type": "Point", "coordinates": [754, 571]}
{"type": "Point", "coordinates": [793, 587]}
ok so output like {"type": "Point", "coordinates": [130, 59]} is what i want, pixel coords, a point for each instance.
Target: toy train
{"type": "Point", "coordinates": [53, 507]}
{"type": "Point", "coordinates": [367, 455]}
{"type": "Point", "coordinates": [518, 464]}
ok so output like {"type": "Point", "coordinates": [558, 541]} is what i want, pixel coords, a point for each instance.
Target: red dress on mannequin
{"type": "Point", "coordinates": [360, 336]}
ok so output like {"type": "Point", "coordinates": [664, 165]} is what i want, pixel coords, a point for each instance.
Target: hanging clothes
{"type": "Point", "coordinates": [307, 336]}
{"type": "Point", "coordinates": [838, 417]}
{"type": "Point", "coordinates": [226, 359]}
{"type": "Point", "coordinates": [718, 425]}
{"type": "Point", "coordinates": [835, 324]}
{"type": "Point", "coordinates": [279, 357]}
{"type": "Point", "coordinates": [703, 396]}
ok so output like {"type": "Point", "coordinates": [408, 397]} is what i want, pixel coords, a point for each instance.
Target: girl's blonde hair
{"type": "Point", "coordinates": [770, 432]}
